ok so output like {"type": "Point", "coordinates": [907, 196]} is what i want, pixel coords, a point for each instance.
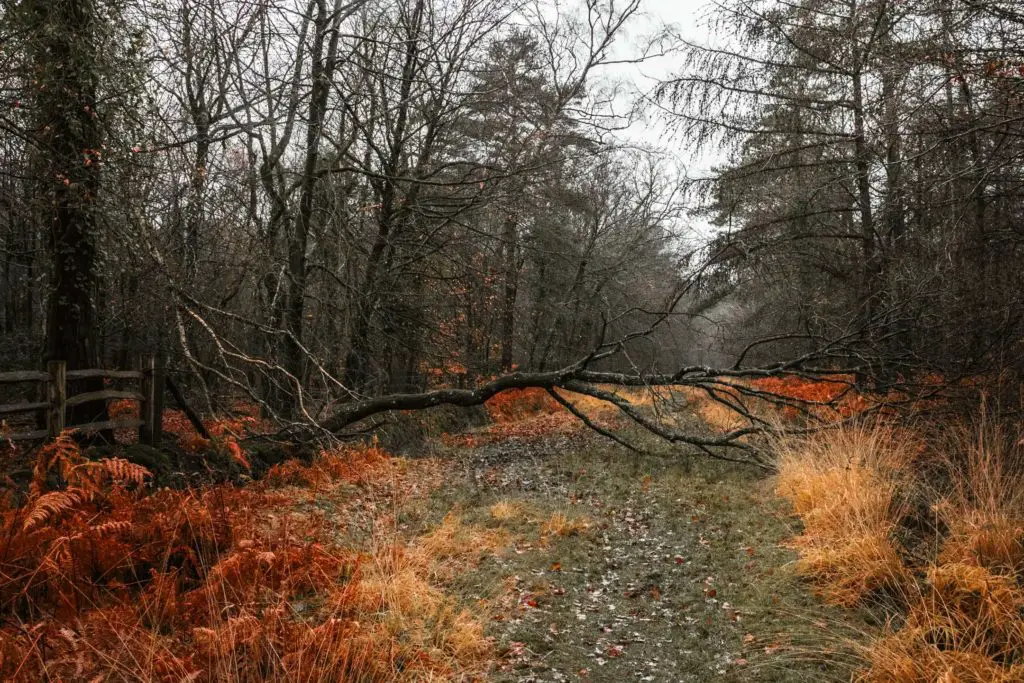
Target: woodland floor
{"type": "Point", "coordinates": [625, 567]}
{"type": "Point", "coordinates": [528, 548]}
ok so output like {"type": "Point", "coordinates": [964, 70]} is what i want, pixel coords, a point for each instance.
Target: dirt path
{"type": "Point", "coordinates": [633, 568]}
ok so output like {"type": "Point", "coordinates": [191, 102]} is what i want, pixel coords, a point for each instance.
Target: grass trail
{"type": "Point", "coordinates": [625, 567]}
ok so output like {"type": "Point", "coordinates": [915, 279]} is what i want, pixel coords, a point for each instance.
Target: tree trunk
{"type": "Point", "coordinates": [71, 134]}
{"type": "Point", "coordinates": [870, 264]}
{"type": "Point", "coordinates": [323, 59]}
{"type": "Point", "coordinates": [895, 199]}
{"type": "Point", "coordinates": [357, 361]}
{"type": "Point", "coordinates": [511, 291]}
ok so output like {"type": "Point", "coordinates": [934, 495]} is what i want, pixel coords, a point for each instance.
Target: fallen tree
{"type": "Point", "coordinates": [341, 411]}
{"type": "Point", "coordinates": [729, 387]}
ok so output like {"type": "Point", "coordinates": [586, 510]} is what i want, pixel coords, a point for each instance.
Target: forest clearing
{"type": "Point", "coordinates": [511, 340]}
{"type": "Point", "coordinates": [527, 548]}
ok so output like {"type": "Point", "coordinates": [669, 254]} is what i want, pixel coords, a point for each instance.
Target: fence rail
{"type": "Point", "coordinates": [149, 397]}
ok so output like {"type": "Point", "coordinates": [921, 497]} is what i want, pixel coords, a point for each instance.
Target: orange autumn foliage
{"type": "Point", "coordinates": [517, 404]}
{"type": "Point", "coordinates": [838, 398]}
{"type": "Point", "coordinates": [803, 389]}
{"type": "Point", "coordinates": [101, 579]}
{"type": "Point", "coordinates": [530, 428]}
{"type": "Point", "coordinates": [347, 464]}
{"type": "Point", "coordinates": [824, 398]}
{"type": "Point", "coordinates": [528, 414]}
{"type": "Point", "coordinates": [960, 598]}
{"type": "Point", "coordinates": [226, 430]}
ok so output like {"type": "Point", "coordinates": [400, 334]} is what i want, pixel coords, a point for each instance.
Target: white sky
{"type": "Point", "coordinates": [684, 16]}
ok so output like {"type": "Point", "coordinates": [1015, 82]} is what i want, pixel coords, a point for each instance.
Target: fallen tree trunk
{"type": "Point", "coordinates": [190, 413]}
{"type": "Point", "coordinates": [353, 412]}
{"type": "Point", "coordinates": [577, 380]}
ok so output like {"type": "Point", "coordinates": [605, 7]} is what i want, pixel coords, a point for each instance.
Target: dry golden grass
{"type": "Point", "coordinates": [719, 415]}
{"type": "Point", "coordinates": [398, 602]}
{"type": "Point", "coordinates": [848, 569]}
{"type": "Point", "coordinates": [391, 583]}
{"type": "Point", "coordinates": [858, 457]}
{"type": "Point", "coordinates": [456, 541]}
{"type": "Point", "coordinates": [906, 657]}
{"type": "Point", "coordinates": [969, 605]}
{"type": "Point", "coordinates": [463, 637]}
{"type": "Point", "coordinates": [561, 524]}
{"type": "Point", "coordinates": [507, 510]}
{"type": "Point", "coordinates": [715, 413]}
{"type": "Point", "coordinates": [965, 621]}
{"type": "Point", "coordinates": [983, 506]}
{"type": "Point", "coordinates": [965, 626]}
{"type": "Point", "coordinates": [845, 485]}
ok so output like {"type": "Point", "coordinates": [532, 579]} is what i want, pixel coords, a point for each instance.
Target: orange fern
{"type": "Point", "coordinates": [121, 471]}
{"type": "Point", "coordinates": [50, 506]}
{"type": "Point", "coordinates": [60, 453]}
{"type": "Point", "coordinates": [237, 454]}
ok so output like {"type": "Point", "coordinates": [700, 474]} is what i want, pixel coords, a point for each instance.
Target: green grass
{"type": "Point", "coordinates": [680, 577]}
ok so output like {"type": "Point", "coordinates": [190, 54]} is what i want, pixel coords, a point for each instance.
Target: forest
{"type": "Point", "coordinates": [539, 340]}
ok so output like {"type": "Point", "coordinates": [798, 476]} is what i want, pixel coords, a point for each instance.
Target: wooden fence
{"type": "Point", "coordinates": [149, 398]}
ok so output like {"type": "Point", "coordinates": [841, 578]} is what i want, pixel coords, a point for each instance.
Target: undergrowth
{"type": "Point", "coordinates": [789, 398]}
{"type": "Point", "coordinates": [931, 530]}
{"type": "Point", "coordinates": [530, 414]}
{"type": "Point", "coordinates": [102, 579]}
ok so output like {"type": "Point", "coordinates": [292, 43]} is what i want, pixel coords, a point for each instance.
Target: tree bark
{"type": "Point", "coordinates": [510, 291]}
{"type": "Point", "coordinates": [870, 263]}
{"type": "Point", "coordinates": [71, 135]}
{"type": "Point", "coordinates": [357, 360]}
{"type": "Point", "coordinates": [323, 61]}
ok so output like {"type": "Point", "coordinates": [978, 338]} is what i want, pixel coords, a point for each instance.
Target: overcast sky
{"type": "Point", "coordinates": [682, 15]}
{"type": "Point", "coordinates": [685, 17]}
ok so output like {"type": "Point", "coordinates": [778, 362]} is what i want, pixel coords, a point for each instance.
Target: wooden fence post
{"type": "Point", "coordinates": [147, 406]}
{"type": "Point", "coordinates": [57, 395]}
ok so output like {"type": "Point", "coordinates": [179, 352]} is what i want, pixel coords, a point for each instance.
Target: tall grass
{"type": "Point", "coordinates": [957, 612]}
{"type": "Point", "coordinates": [981, 503]}
{"type": "Point", "coordinates": [225, 585]}
{"type": "Point", "coordinates": [847, 487]}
